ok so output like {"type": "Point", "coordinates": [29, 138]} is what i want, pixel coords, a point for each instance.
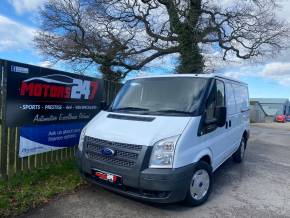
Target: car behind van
{"type": "Point", "coordinates": [163, 137]}
{"type": "Point", "coordinates": [281, 118]}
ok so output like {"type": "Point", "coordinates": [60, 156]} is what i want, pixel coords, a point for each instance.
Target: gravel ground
{"type": "Point", "coordinates": [259, 187]}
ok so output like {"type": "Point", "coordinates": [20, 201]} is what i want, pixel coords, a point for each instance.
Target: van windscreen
{"type": "Point", "coordinates": [161, 96]}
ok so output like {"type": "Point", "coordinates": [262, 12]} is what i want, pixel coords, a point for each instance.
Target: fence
{"type": "Point", "coordinates": [10, 163]}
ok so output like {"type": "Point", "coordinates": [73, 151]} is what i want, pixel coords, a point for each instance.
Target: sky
{"type": "Point", "coordinates": [269, 77]}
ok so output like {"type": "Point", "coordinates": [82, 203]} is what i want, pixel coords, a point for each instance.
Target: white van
{"type": "Point", "coordinates": [164, 136]}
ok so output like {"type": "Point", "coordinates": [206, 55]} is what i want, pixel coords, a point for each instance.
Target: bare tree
{"type": "Point", "coordinates": [125, 35]}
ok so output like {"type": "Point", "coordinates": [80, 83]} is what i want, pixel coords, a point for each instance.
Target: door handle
{"type": "Point", "coordinates": [230, 123]}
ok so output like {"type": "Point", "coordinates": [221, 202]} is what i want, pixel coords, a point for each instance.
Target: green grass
{"type": "Point", "coordinates": [28, 190]}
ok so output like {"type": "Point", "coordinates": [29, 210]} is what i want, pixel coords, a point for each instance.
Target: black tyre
{"type": "Point", "coordinates": [239, 155]}
{"type": "Point", "coordinates": [200, 185]}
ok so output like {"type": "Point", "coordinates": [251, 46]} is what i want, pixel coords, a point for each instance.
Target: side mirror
{"type": "Point", "coordinates": [103, 105]}
{"type": "Point", "coordinates": [221, 116]}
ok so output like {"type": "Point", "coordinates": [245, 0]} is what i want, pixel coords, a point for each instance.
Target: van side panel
{"type": "Point", "coordinates": [233, 118]}
{"type": "Point", "coordinates": [246, 109]}
{"type": "Point", "coordinates": [243, 106]}
{"type": "Point", "coordinates": [220, 144]}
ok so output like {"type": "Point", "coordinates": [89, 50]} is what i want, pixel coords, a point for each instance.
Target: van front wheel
{"type": "Point", "coordinates": [200, 185]}
{"type": "Point", "coordinates": [239, 155]}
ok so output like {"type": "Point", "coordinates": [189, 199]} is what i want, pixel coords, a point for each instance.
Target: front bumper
{"type": "Point", "coordinates": [153, 185]}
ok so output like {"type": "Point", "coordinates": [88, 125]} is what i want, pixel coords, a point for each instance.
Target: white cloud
{"type": "Point", "coordinates": [277, 71]}
{"type": "Point", "coordinates": [14, 35]}
{"type": "Point", "coordinates": [236, 74]}
{"type": "Point", "coordinates": [283, 10]}
{"type": "Point", "coordinates": [47, 64]}
{"type": "Point", "coordinates": [22, 6]}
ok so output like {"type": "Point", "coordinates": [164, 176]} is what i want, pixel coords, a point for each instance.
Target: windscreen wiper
{"type": "Point", "coordinates": [174, 112]}
{"type": "Point", "coordinates": [130, 109]}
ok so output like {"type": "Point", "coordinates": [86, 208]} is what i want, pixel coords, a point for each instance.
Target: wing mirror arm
{"type": "Point", "coordinates": [103, 105]}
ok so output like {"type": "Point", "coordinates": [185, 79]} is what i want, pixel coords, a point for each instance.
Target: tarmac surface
{"type": "Point", "coordinates": [259, 187]}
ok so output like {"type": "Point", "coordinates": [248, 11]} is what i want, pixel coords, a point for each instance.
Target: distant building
{"type": "Point", "coordinates": [273, 106]}
{"type": "Point", "coordinates": [257, 113]}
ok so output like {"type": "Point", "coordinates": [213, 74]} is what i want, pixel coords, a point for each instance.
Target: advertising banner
{"type": "Point", "coordinates": [37, 95]}
{"type": "Point", "coordinates": [44, 138]}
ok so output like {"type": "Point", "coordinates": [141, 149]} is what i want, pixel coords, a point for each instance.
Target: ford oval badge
{"type": "Point", "coordinates": [108, 152]}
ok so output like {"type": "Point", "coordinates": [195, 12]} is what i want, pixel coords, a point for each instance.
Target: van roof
{"type": "Point", "coordinates": [209, 75]}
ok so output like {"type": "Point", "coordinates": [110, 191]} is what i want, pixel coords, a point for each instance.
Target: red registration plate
{"type": "Point", "coordinates": [108, 177]}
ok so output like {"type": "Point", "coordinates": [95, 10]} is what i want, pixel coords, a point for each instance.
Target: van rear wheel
{"type": "Point", "coordinates": [239, 155]}
{"type": "Point", "coordinates": [200, 185]}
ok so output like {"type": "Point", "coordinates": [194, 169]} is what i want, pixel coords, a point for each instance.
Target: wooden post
{"type": "Point", "coordinates": [18, 161]}
{"type": "Point", "coordinates": [11, 154]}
{"type": "Point", "coordinates": [3, 148]}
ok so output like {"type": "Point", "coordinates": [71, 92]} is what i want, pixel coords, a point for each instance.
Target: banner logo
{"type": "Point", "coordinates": [60, 87]}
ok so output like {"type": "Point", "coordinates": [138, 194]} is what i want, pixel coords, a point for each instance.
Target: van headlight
{"type": "Point", "coordinates": [82, 139]}
{"type": "Point", "coordinates": [163, 153]}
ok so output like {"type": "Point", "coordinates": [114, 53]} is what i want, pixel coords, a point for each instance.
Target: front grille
{"type": "Point", "coordinates": [126, 155]}
{"type": "Point", "coordinates": [105, 143]}
{"type": "Point", "coordinates": [110, 160]}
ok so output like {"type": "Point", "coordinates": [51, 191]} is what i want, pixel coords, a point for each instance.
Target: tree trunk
{"type": "Point", "coordinates": [191, 60]}
{"type": "Point", "coordinates": [109, 74]}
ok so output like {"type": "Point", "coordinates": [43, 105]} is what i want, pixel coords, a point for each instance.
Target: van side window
{"type": "Point", "coordinates": [220, 94]}
{"type": "Point", "coordinates": [210, 106]}
{"type": "Point", "coordinates": [241, 96]}
{"type": "Point", "coordinates": [216, 99]}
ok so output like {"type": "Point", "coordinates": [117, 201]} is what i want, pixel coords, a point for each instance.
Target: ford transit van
{"type": "Point", "coordinates": [163, 137]}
